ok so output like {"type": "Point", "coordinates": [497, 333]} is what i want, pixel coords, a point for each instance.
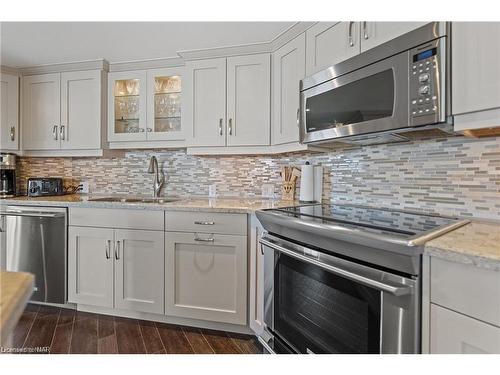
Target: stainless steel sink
{"type": "Point", "coordinates": [134, 200]}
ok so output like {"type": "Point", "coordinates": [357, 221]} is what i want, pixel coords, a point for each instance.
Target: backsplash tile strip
{"type": "Point", "coordinates": [452, 176]}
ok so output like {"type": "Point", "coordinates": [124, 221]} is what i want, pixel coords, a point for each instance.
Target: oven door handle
{"type": "Point", "coordinates": [395, 289]}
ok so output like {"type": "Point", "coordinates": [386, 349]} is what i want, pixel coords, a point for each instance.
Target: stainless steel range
{"type": "Point", "coordinates": [344, 278]}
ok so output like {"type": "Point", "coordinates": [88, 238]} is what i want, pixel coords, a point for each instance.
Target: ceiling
{"type": "Point", "coordinates": [25, 44]}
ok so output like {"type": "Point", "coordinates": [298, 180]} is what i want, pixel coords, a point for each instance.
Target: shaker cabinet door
{"type": "Point", "coordinates": [127, 106]}
{"type": "Point", "coordinates": [90, 266]}
{"type": "Point", "coordinates": [328, 43]}
{"type": "Point", "coordinates": [205, 94]}
{"type": "Point", "coordinates": [288, 70]}
{"type": "Point", "coordinates": [81, 110]}
{"type": "Point", "coordinates": [249, 100]}
{"type": "Point", "coordinates": [376, 33]}
{"type": "Point", "coordinates": [9, 118]}
{"type": "Point", "coordinates": [41, 112]}
{"type": "Point", "coordinates": [475, 59]}
{"type": "Point", "coordinates": [454, 333]}
{"type": "Point", "coordinates": [206, 277]}
{"type": "Point", "coordinates": [139, 270]}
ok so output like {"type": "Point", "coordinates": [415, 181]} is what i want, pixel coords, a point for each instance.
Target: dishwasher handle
{"type": "Point", "coordinates": [30, 214]}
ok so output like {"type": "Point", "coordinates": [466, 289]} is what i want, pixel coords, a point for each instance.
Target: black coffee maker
{"type": "Point", "coordinates": [7, 175]}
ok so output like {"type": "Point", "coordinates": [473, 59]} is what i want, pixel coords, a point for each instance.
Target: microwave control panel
{"type": "Point", "coordinates": [427, 80]}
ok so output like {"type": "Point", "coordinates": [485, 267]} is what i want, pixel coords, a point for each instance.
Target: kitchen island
{"type": "Point", "coordinates": [15, 291]}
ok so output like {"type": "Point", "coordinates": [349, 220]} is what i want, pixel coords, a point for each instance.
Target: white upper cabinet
{"type": "Point", "coordinates": [205, 93]}
{"type": "Point", "coordinates": [475, 59]}
{"type": "Point", "coordinates": [9, 122]}
{"type": "Point", "coordinates": [248, 100]}
{"type": "Point", "coordinates": [328, 43]}
{"type": "Point", "coordinates": [164, 104]}
{"type": "Point", "coordinates": [376, 33]}
{"type": "Point", "coordinates": [62, 111]}
{"type": "Point", "coordinates": [81, 97]}
{"type": "Point", "coordinates": [228, 101]}
{"type": "Point", "coordinates": [41, 112]}
{"type": "Point", "coordinates": [288, 69]}
{"type": "Point", "coordinates": [127, 106]}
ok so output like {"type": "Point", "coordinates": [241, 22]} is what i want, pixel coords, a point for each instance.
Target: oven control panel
{"type": "Point", "coordinates": [427, 72]}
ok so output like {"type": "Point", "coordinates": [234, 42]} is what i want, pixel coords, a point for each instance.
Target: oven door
{"type": "Point", "coordinates": [367, 100]}
{"type": "Point", "coordinates": [318, 303]}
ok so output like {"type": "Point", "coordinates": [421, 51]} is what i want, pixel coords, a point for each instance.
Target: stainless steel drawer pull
{"type": "Point", "coordinates": [62, 133]}
{"type": "Point", "coordinates": [199, 239]}
{"type": "Point", "coordinates": [54, 132]}
{"type": "Point", "coordinates": [108, 248]}
{"type": "Point", "coordinates": [204, 222]}
{"type": "Point", "coordinates": [117, 250]}
{"type": "Point", "coordinates": [12, 133]}
{"type": "Point", "coordinates": [298, 117]}
{"type": "Point", "coordinates": [397, 290]}
{"type": "Point", "coordinates": [230, 126]}
{"type": "Point", "coordinates": [220, 126]}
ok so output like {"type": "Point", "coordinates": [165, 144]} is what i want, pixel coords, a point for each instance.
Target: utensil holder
{"type": "Point", "coordinates": [288, 190]}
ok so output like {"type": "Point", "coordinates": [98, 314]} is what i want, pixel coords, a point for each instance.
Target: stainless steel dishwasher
{"type": "Point", "coordinates": [34, 240]}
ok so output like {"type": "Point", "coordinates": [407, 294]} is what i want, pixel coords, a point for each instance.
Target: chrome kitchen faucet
{"type": "Point", "coordinates": [159, 178]}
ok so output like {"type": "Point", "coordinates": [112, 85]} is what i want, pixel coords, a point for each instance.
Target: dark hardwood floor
{"type": "Point", "coordinates": [62, 331]}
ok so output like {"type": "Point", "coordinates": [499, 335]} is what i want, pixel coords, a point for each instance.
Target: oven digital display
{"type": "Point", "coordinates": [424, 54]}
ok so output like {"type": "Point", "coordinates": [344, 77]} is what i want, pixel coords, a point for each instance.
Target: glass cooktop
{"type": "Point", "coordinates": [379, 219]}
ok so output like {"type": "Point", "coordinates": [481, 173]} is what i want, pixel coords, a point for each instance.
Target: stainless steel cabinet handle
{"type": "Point", "coordinates": [141, 130]}
{"type": "Point", "coordinates": [298, 117]}
{"type": "Point", "coordinates": [12, 133]}
{"type": "Point", "coordinates": [220, 126]}
{"type": "Point", "coordinates": [397, 290]}
{"type": "Point", "coordinates": [150, 130]}
{"type": "Point", "coordinates": [204, 222]}
{"type": "Point", "coordinates": [350, 39]}
{"type": "Point", "coordinates": [108, 249]}
{"type": "Point", "coordinates": [62, 132]}
{"type": "Point", "coordinates": [230, 126]}
{"type": "Point", "coordinates": [54, 132]}
{"type": "Point", "coordinates": [199, 239]}
{"type": "Point", "coordinates": [117, 250]}
{"type": "Point", "coordinates": [365, 31]}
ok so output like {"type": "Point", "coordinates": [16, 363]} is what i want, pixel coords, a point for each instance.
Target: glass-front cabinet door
{"type": "Point", "coordinates": [127, 106]}
{"type": "Point", "coordinates": [165, 104]}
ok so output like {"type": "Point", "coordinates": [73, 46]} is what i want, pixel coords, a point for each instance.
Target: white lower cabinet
{"type": "Point", "coordinates": [90, 266]}
{"type": "Point", "coordinates": [454, 333]}
{"type": "Point", "coordinates": [206, 277]}
{"type": "Point", "coordinates": [139, 270]}
{"type": "Point", "coordinates": [116, 268]}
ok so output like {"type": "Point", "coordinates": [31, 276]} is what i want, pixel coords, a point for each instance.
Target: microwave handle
{"type": "Point", "coordinates": [397, 290]}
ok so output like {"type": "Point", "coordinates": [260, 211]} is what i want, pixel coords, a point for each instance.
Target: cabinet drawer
{"type": "Point", "coordinates": [453, 333]}
{"type": "Point", "coordinates": [116, 218]}
{"type": "Point", "coordinates": [206, 222]}
{"type": "Point", "coordinates": [467, 289]}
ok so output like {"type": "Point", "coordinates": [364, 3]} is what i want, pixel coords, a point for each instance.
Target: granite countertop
{"type": "Point", "coordinates": [234, 205]}
{"type": "Point", "coordinates": [476, 243]}
{"type": "Point", "coordinates": [15, 291]}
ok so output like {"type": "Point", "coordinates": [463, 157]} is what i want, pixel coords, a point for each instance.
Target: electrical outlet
{"type": "Point", "coordinates": [85, 188]}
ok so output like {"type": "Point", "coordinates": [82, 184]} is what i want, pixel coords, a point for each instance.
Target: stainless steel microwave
{"type": "Point", "coordinates": [398, 86]}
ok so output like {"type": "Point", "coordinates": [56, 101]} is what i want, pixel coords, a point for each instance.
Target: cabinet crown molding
{"type": "Point", "coordinates": [100, 64]}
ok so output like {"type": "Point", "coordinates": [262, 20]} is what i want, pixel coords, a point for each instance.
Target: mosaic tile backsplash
{"type": "Point", "coordinates": [451, 176]}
